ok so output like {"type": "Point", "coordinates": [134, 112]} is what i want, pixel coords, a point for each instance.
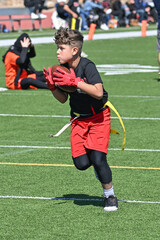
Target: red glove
{"type": "Point", "coordinates": [63, 78]}
{"type": "Point", "coordinates": [48, 77]}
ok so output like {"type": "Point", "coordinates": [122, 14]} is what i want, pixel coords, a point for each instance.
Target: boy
{"type": "Point", "coordinates": [90, 131]}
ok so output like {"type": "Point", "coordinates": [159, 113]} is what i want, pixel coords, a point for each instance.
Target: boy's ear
{"type": "Point", "coordinates": [75, 50]}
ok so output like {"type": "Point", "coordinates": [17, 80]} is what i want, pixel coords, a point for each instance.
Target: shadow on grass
{"type": "Point", "coordinates": [157, 79]}
{"type": "Point", "coordinates": [83, 199]}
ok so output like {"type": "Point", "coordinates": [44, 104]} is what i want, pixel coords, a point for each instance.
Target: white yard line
{"type": "Point", "coordinates": [60, 116]}
{"type": "Point", "coordinates": [134, 96]}
{"type": "Point", "coordinates": [77, 199]}
{"type": "Point", "coordinates": [100, 36]}
{"type": "Point", "coordinates": [51, 147]}
{"type": "Point", "coordinates": [38, 93]}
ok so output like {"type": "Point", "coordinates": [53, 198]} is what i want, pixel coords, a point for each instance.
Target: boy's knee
{"type": "Point", "coordinates": [81, 162]}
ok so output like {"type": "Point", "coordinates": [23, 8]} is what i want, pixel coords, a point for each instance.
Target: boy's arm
{"type": "Point", "coordinates": [63, 78]}
{"type": "Point", "coordinates": [96, 90]}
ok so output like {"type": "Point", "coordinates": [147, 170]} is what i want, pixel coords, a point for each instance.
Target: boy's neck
{"type": "Point", "coordinates": [74, 63]}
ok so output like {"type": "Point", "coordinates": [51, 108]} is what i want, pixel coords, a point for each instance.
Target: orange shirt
{"type": "Point", "coordinates": [11, 70]}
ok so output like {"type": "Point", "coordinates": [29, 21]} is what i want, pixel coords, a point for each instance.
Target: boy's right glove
{"type": "Point", "coordinates": [49, 78]}
{"type": "Point", "coordinates": [64, 78]}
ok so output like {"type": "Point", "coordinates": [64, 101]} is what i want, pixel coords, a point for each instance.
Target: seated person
{"type": "Point", "coordinates": [73, 9]}
{"type": "Point", "coordinates": [133, 17]}
{"type": "Point", "coordinates": [20, 74]}
{"type": "Point", "coordinates": [152, 12]}
{"type": "Point", "coordinates": [118, 12]}
{"type": "Point", "coordinates": [96, 13]}
{"type": "Point", "coordinates": [127, 12]}
{"type": "Point", "coordinates": [35, 7]}
{"type": "Point", "coordinates": [141, 10]}
{"type": "Point", "coordinates": [59, 16]}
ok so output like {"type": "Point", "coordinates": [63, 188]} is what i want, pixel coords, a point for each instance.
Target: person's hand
{"type": "Point", "coordinates": [63, 78]}
{"type": "Point", "coordinates": [25, 42]}
{"type": "Point", "coordinates": [48, 77]}
{"type": "Point", "coordinates": [74, 15]}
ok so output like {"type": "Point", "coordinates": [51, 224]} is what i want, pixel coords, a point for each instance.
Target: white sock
{"type": "Point", "coordinates": [108, 192]}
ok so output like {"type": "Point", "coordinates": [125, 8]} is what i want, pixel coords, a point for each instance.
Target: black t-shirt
{"type": "Point", "coordinates": [74, 6]}
{"type": "Point", "coordinates": [61, 12]}
{"type": "Point", "coordinates": [80, 102]}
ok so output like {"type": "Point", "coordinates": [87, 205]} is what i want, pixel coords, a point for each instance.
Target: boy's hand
{"type": "Point", "coordinates": [63, 78]}
{"type": "Point", "coordinates": [48, 77]}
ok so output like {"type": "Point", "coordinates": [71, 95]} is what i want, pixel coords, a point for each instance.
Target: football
{"type": "Point", "coordinates": [64, 88]}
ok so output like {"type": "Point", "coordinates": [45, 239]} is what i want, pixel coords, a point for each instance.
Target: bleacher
{"type": "Point", "coordinates": [17, 17]}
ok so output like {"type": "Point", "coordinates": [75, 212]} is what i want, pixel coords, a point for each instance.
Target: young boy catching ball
{"type": "Point", "coordinates": [90, 129]}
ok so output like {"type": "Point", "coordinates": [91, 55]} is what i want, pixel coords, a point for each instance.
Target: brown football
{"type": "Point", "coordinates": [65, 88]}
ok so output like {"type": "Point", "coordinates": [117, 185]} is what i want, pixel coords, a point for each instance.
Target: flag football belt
{"type": "Point", "coordinates": [107, 104]}
{"type": "Point", "coordinates": [87, 115]}
{"type": "Point", "coordinates": [110, 105]}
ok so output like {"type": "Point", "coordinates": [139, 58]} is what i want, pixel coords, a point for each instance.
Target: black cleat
{"type": "Point", "coordinates": [111, 204]}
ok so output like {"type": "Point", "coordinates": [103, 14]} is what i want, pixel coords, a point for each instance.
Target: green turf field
{"type": "Point", "coordinates": [48, 198]}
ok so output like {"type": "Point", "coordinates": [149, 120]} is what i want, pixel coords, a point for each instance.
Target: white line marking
{"type": "Point", "coordinates": [50, 147]}
{"type": "Point", "coordinates": [135, 201]}
{"type": "Point", "coordinates": [136, 118]}
{"type": "Point", "coordinates": [41, 40]}
{"type": "Point", "coordinates": [28, 93]}
{"type": "Point", "coordinates": [133, 96]}
{"type": "Point", "coordinates": [76, 199]}
{"type": "Point", "coordinates": [16, 152]}
{"type": "Point", "coordinates": [60, 116]}
{"type": "Point", "coordinates": [37, 93]}
{"type": "Point", "coordinates": [135, 150]}
{"type": "Point", "coordinates": [115, 69]}
{"type": "Point", "coordinates": [30, 115]}
{"type": "Point", "coordinates": [41, 147]}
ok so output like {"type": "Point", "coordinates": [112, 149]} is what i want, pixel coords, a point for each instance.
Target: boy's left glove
{"type": "Point", "coordinates": [49, 78]}
{"type": "Point", "coordinates": [63, 78]}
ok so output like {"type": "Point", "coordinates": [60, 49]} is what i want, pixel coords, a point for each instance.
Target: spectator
{"type": "Point", "coordinates": [73, 9]}
{"type": "Point", "coordinates": [84, 17]}
{"type": "Point", "coordinates": [107, 7]}
{"type": "Point", "coordinates": [151, 11]}
{"type": "Point", "coordinates": [60, 16]}
{"type": "Point", "coordinates": [20, 74]}
{"type": "Point", "coordinates": [118, 12]}
{"type": "Point", "coordinates": [133, 10]}
{"type": "Point", "coordinates": [95, 13]}
{"type": "Point", "coordinates": [157, 5]}
{"type": "Point", "coordinates": [127, 12]}
{"type": "Point", "coordinates": [141, 11]}
{"type": "Point", "coordinates": [35, 7]}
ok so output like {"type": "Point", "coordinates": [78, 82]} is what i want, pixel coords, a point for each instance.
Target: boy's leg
{"type": "Point", "coordinates": [82, 162]}
{"type": "Point", "coordinates": [99, 161]}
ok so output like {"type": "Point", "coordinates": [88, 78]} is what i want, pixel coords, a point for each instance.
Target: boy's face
{"type": "Point", "coordinates": [65, 53]}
